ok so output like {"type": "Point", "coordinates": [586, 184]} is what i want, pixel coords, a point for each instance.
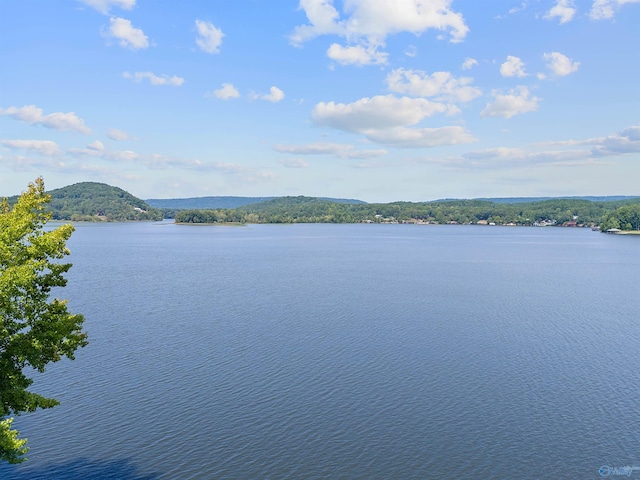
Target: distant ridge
{"type": "Point", "coordinates": [229, 202]}
{"type": "Point", "coordinates": [223, 202]}
{"type": "Point", "coordinates": [613, 198]}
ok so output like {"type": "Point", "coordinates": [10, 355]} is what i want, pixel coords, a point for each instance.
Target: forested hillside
{"type": "Point", "coordinates": [91, 201]}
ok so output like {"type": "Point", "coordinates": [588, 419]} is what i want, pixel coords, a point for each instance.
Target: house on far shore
{"type": "Point", "coordinates": [614, 230]}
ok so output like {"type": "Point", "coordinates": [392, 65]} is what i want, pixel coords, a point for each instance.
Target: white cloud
{"type": "Point", "coordinates": [127, 156]}
{"type": "Point", "coordinates": [57, 120]}
{"type": "Point", "coordinates": [323, 19]}
{"type": "Point", "coordinates": [293, 163]}
{"type": "Point", "coordinates": [560, 64]}
{"type": "Point", "coordinates": [97, 146]}
{"type": "Point", "coordinates": [515, 157]}
{"type": "Point", "coordinates": [367, 23]}
{"type": "Point", "coordinates": [118, 135]}
{"type": "Point", "coordinates": [357, 55]}
{"type": "Point", "coordinates": [340, 150]}
{"type": "Point", "coordinates": [624, 142]}
{"type": "Point", "coordinates": [376, 19]}
{"type": "Point", "coordinates": [513, 67]}
{"type": "Point", "coordinates": [522, 7]}
{"type": "Point", "coordinates": [563, 9]}
{"type": "Point", "coordinates": [375, 113]}
{"type": "Point", "coordinates": [515, 102]}
{"type": "Point", "coordinates": [384, 119]}
{"type": "Point", "coordinates": [469, 63]}
{"type": "Point", "coordinates": [411, 51]}
{"type": "Point", "coordinates": [154, 79]}
{"type": "Point", "coordinates": [21, 163]}
{"type": "Point", "coordinates": [43, 147]}
{"type": "Point", "coordinates": [103, 6]}
{"type": "Point", "coordinates": [274, 95]}
{"type": "Point", "coordinates": [244, 173]}
{"type": "Point", "coordinates": [604, 9]}
{"type": "Point", "coordinates": [226, 92]}
{"type": "Point", "coordinates": [209, 37]}
{"type": "Point", "coordinates": [126, 34]}
{"type": "Point", "coordinates": [121, 155]}
{"type": "Point", "coordinates": [421, 137]}
{"type": "Point", "coordinates": [441, 85]}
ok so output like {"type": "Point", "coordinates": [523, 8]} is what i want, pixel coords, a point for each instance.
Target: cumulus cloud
{"type": "Point", "coordinates": [357, 55]}
{"type": "Point", "coordinates": [513, 67]}
{"type": "Point", "coordinates": [560, 64]}
{"type": "Point", "coordinates": [103, 6]}
{"type": "Point", "coordinates": [57, 120]}
{"type": "Point", "coordinates": [154, 79]}
{"type": "Point", "coordinates": [118, 135]}
{"type": "Point", "coordinates": [126, 34]}
{"type": "Point", "coordinates": [293, 163]}
{"type": "Point", "coordinates": [226, 92]}
{"type": "Point", "coordinates": [367, 23]}
{"type": "Point", "coordinates": [340, 150]}
{"type": "Point", "coordinates": [385, 120]}
{"type": "Point", "coordinates": [375, 113]}
{"type": "Point", "coordinates": [209, 37]}
{"type": "Point", "coordinates": [97, 146]}
{"type": "Point", "coordinates": [564, 10]}
{"type": "Point", "coordinates": [43, 147]}
{"type": "Point", "coordinates": [441, 85]}
{"type": "Point", "coordinates": [378, 19]}
{"type": "Point", "coordinates": [624, 142]}
{"type": "Point", "coordinates": [469, 63]}
{"type": "Point", "coordinates": [404, 137]}
{"type": "Point", "coordinates": [274, 95]}
{"type": "Point", "coordinates": [605, 9]}
{"type": "Point", "coordinates": [515, 102]}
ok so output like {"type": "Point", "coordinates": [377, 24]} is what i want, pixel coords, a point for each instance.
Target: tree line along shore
{"type": "Point", "coordinates": [90, 201]}
{"type": "Point", "coordinates": [623, 215]}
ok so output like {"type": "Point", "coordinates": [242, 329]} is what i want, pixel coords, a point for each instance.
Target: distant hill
{"type": "Point", "coordinates": [215, 203]}
{"type": "Point", "coordinates": [97, 201]}
{"type": "Point", "coordinates": [541, 199]}
{"type": "Point", "coordinates": [212, 203]}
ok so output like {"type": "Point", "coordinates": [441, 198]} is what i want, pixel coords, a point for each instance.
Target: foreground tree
{"type": "Point", "coordinates": [35, 329]}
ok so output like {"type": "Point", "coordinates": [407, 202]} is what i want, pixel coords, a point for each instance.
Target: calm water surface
{"type": "Point", "coordinates": [344, 352]}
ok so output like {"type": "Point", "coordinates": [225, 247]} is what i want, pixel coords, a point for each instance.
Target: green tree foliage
{"type": "Point", "coordinates": [91, 201]}
{"type": "Point", "coordinates": [626, 217]}
{"type": "Point", "coordinates": [35, 329]}
{"type": "Point", "coordinates": [317, 210]}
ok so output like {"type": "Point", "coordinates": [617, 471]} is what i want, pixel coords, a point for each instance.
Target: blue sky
{"type": "Point", "coordinates": [380, 100]}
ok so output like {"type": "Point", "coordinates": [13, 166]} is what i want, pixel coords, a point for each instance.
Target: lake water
{"type": "Point", "coordinates": [345, 352]}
